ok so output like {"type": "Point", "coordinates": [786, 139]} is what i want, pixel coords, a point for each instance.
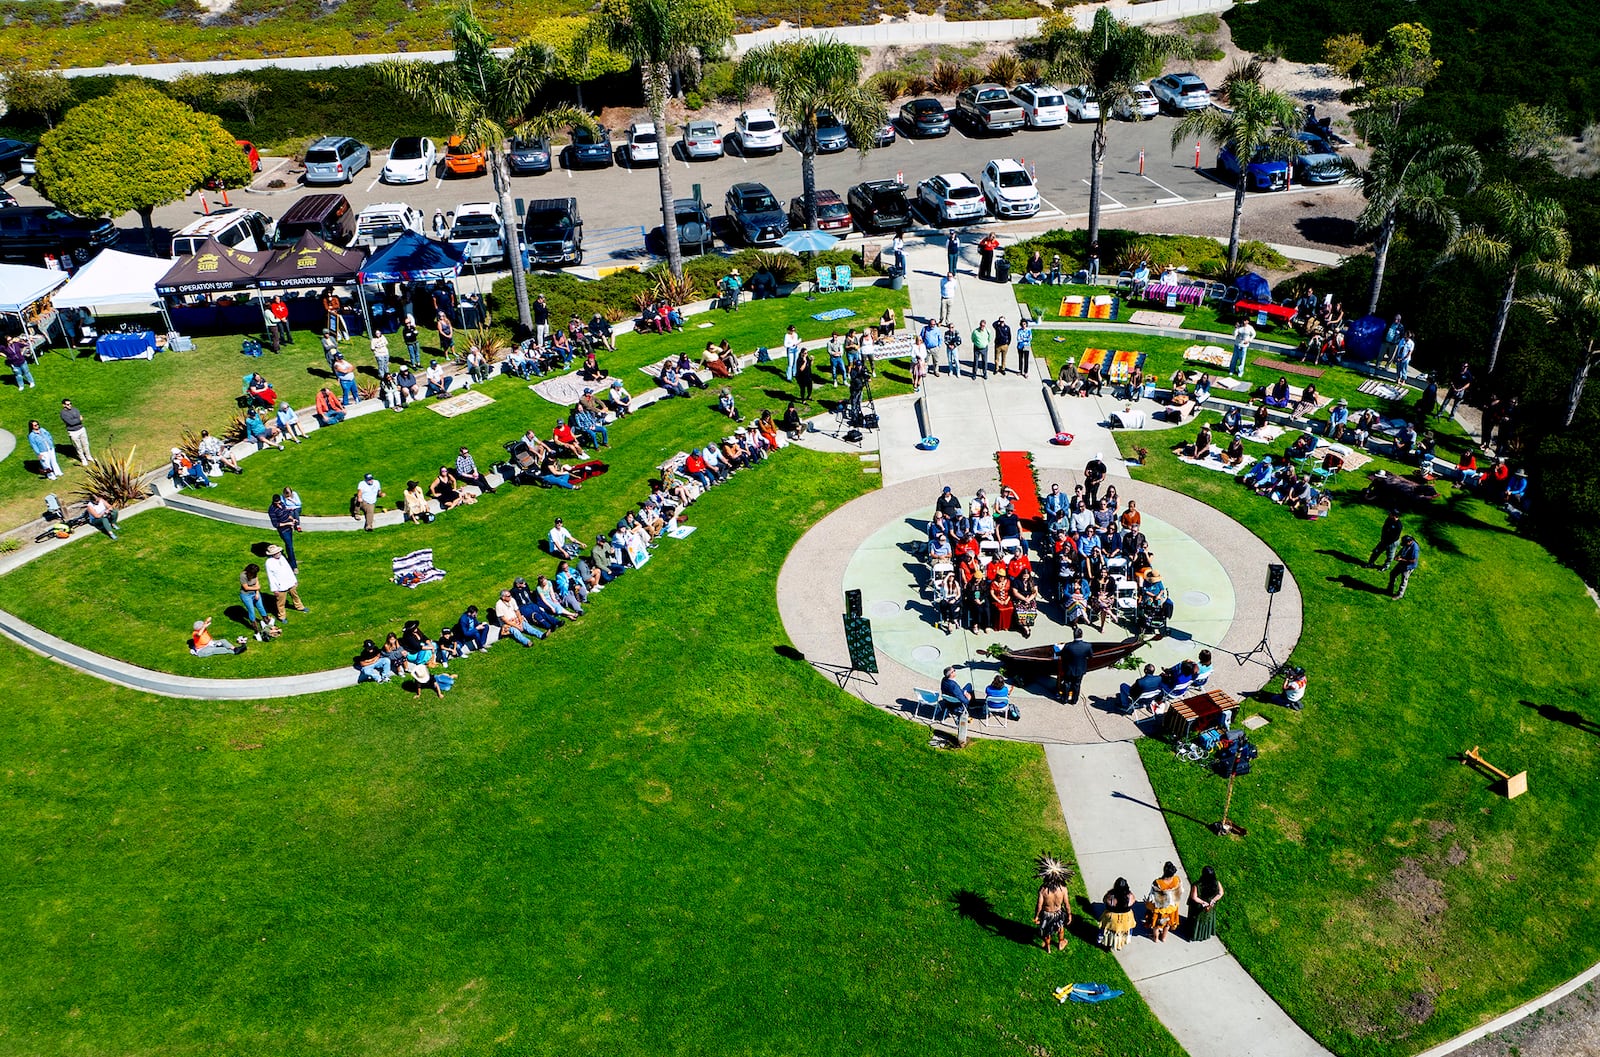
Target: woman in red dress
{"type": "Point", "coordinates": [1001, 602]}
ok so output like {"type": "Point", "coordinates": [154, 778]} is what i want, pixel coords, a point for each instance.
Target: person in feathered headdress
{"type": "Point", "coordinates": [1053, 912]}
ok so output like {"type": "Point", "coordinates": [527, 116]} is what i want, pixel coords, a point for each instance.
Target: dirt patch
{"type": "Point", "coordinates": [1456, 856]}
{"type": "Point", "coordinates": [1416, 895]}
{"type": "Point", "coordinates": [1419, 1009]}
{"type": "Point", "coordinates": [1567, 1028]}
{"type": "Point", "coordinates": [1440, 830]}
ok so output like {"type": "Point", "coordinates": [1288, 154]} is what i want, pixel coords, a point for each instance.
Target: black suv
{"type": "Point", "coordinates": [553, 231]}
{"type": "Point", "coordinates": [755, 214]}
{"type": "Point", "coordinates": [880, 205]}
{"type": "Point", "coordinates": [30, 233]}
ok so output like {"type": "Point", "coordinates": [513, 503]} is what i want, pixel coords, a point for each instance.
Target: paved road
{"type": "Point", "coordinates": [619, 204]}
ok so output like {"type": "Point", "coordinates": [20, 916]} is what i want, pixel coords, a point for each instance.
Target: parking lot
{"type": "Point", "coordinates": [620, 204]}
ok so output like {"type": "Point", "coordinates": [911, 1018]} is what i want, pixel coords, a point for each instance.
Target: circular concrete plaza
{"type": "Point", "coordinates": [1214, 569]}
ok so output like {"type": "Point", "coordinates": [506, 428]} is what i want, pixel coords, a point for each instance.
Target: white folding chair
{"type": "Point", "coordinates": [932, 699]}
{"type": "Point", "coordinates": [1127, 595]}
{"type": "Point", "coordinates": [996, 711]}
{"type": "Point", "coordinates": [1151, 701]}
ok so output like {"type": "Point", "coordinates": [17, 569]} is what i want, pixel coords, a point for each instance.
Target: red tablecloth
{"type": "Point", "coordinates": [1281, 313]}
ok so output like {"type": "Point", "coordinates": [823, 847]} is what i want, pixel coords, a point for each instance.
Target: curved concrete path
{"type": "Point", "coordinates": [8, 444]}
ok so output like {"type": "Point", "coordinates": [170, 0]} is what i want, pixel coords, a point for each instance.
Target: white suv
{"type": "Point", "coordinates": [1082, 103]}
{"type": "Point", "coordinates": [1009, 190]}
{"type": "Point", "coordinates": [757, 131]}
{"type": "Point", "coordinates": [1143, 104]}
{"type": "Point", "coordinates": [643, 143]}
{"type": "Point", "coordinates": [478, 233]}
{"type": "Point", "coordinates": [1042, 105]}
{"type": "Point", "coordinates": [951, 197]}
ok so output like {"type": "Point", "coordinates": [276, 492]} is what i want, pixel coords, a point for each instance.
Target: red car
{"type": "Point", "coordinates": [832, 213]}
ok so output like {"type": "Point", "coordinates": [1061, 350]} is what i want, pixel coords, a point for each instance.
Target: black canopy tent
{"type": "Point", "coordinates": [213, 269]}
{"type": "Point", "coordinates": [315, 262]}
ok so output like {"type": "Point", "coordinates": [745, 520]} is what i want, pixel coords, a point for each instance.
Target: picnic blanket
{"type": "Point", "coordinates": [1233, 385]}
{"type": "Point", "coordinates": [1212, 355]}
{"type": "Point", "coordinates": [1353, 460]}
{"type": "Point", "coordinates": [1382, 390]}
{"type": "Point", "coordinates": [1146, 317]}
{"type": "Point", "coordinates": [833, 313]}
{"type": "Point", "coordinates": [1264, 435]}
{"type": "Point", "coordinates": [564, 389]}
{"type": "Point", "coordinates": [1124, 363]}
{"type": "Point", "coordinates": [1184, 293]}
{"type": "Point", "coordinates": [1093, 358]}
{"type": "Point", "coordinates": [893, 348]}
{"type": "Point", "coordinates": [416, 569]}
{"type": "Point", "coordinates": [679, 532]}
{"type": "Point", "coordinates": [1286, 367]}
{"type": "Point", "coordinates": [1212, 460]}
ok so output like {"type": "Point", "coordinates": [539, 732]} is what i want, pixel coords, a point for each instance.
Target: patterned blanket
{"type": "Point", "coordinates": [416, 568]}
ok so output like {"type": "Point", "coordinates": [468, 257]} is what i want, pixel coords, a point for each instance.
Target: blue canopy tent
{"type": "Point", "coordinates": [412, 258]}
{"type": "Point", "coordinates": [1253, 287]}
{"type": "Point", "coordinates": [1363, 339]}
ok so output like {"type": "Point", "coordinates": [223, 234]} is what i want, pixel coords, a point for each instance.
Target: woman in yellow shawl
{"type": "Point", "coordinates": [1162, 902]}
{"type": "Point", "coordinates": [1116, 923]}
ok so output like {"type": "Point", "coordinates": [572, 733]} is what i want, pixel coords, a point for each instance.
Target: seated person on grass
{"type": "Point", "coordinates": [711, 360]}
{"type": "Point", "coordinates": [1261, 471]}
{"type": "Point", "coordinates": [1232, 420]}
{"type": "Point", "coordinates": [185, 472]}
{"type": "Point", "coordinates": [565, 442]}
{"type": "Point", "coordinates": [446, 490]}
{"type": "Point", "coordinates": [1302, 447]}
{"type": "Point", "coordinates": [591, 371]}
{"type": "Point", "coordinates": [513, 624]}
{"type": "Point", "coordinates": [695, 466]}
{"type": "Point", "coordinates": [726, 405]}
{"type": "Point", "coordinates": [263, 433]}
{"type": "Point", "coordinates": [1067, 381]}
{"type": "Point", "coordinates": [1278, 395]}
{"type": "Point", "coordinates": [215, 454]}
{"type": "Point", "coordinates": [617, 399]}
{"type": "Point", "coordinates": [409, 384]}
{"type": "Point", "coordinates": [1338, 419]}
{"type": "Point", "coordinates": [438, 384]}
{"type": "Point", "coordinates": [561, 346]}
{"type": "Point", "coordinates": [201, 644]}
{"type": "Point", "coordinates": [591, 428]}
{"type": "Point", "coordinates": [1307, 402]}
{"type": "Point", "coordinates": [563, 544]}
{"type": "Point", "coordinates": [600, 332]}
{"type": "Point", "coordinates": [414, 502]}
{"type": "Point", "coordinates": [670, 381]}
{"type": "Point", "coordinates": [1233, 455]}
{"type": "Point", "coordinates": [532, 610]}
{"type": "Point", "coordinates": [712, 457]}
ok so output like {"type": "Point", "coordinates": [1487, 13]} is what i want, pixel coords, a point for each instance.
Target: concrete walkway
{"type": "Point", "coordinates": [1198, 990]}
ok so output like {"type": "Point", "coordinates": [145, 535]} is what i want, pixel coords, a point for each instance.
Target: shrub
{"type": "Point", "coordinates": [889, 84]}
{"type": "Point", "coordinates": [946, 77]}
{"type": "Point", "coordinates": [1003, 69]}
{"type": "Point", "coordinates": [1120, 250]}
{"type": "Point", "coordinates": [782, 265]}
{"type": "Point", "coordinates": [916, 84]}
{"type": "Point", "coordinates": [970, 75]}
{"type": "Point", "coordinates": [692, 101]}
{"type": "Point", "coordinates": [1196, 25]}
{"type": "Point", "coordinates": [113, 478]}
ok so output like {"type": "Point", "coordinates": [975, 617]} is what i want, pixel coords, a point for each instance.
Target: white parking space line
{"type": "Point", "coordinates": [1106, 195]}
{"type": "Point", "coordinates": [439, 182]}
{"type": "Point", "coordinates": [374, 182]}
{"type": "Point", "coordinates": [1050, 208]}
{"type": "Point", "coordinates": [1174, 196]}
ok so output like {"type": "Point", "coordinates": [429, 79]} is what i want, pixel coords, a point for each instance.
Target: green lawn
{"type": "Point", "coordinates": [1045, 301]}
{"type": "Point", "coordinates": [652, 834]}
{"type": "Point", "coordinates": [1385, 896]}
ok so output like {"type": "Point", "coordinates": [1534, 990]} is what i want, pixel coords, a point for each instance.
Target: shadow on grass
{"type": "Point", "coordinates": [981, 912]}
{"type": "Point", "coordinates": [1348, 559]}
{"type": "Point", "coordinates": [1086, 922]}
{"type": "Point", "coordinates": [1169, 812]}
{"type": "Point", "coordinates": [1556, 714]}
{"type": "Point", "coordinates": [789, 653]}
{"type": "Point", "coordinates": [1356, 584]}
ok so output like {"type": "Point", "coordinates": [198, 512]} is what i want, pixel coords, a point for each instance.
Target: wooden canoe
{"type": "Point", "coordinates": [1042, 661]}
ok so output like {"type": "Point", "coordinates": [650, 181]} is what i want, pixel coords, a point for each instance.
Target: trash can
{"type": "Point", "coordinates": [897, 281]}
{"type": "Point", "coordinates": [1002, 270]}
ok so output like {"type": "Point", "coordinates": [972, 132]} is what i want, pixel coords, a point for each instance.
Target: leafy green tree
{"type": "Point", "coordinates": [1413, 174]}
{"type": "Point", "coordinates": [1111, 57]}
{"type": "Point", "coordinates": [45, 93]}
{"type": "Point", "coordinates": [244, 93]}
{"type": "Point", "coordinates": [662, 37]}
{"type": "Point", "coordinates": [483, 95]}
{"type": "Point", "coordinates": [1254, 125]}
{"type": "Point", "coordinates": [1391, 76]}
{"type": "Point", "coordinates": [1519, 231]}
{"type": "Point", "coordinates": [1533, 134]}
{"type": "Point", "coordinates": [134, 149]}
{"type": "Point", "coordinates": [806, 76]}
{"type": "Point", "coordinates": [1572, 297]}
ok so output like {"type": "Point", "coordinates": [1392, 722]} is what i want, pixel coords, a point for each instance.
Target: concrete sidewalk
{"type": "Point", "coordinates": [1203, 996]}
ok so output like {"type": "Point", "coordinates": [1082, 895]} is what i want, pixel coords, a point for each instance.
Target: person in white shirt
{"type": "Point", "coordinates": [215, 453]}
{"type": "Point", "coordinates": [897, 250]}
{"type": "Point", "coordinates": [368, 492]}
{"type": "Point", "coordinates": [947, 295]}
{"type": "Point", "coordinates": [437, 383]}
{"type": "Point", "coordinates": [791, 349]}
{"type": "Point", "coordinates": [562, 542]}
{"type": "Point", "coordinates": [283, 583]}
{"type": "Point", "coordinates": [380, 351]}
{"type": "Point", "coordinates": [1243, 335]}
{"type": "Point", "coordinates": [289, 422]}
{"type": "Point", "coordinates": [512, 624]}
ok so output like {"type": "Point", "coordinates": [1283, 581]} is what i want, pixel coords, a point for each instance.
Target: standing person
{"type": "Point", "coordinates": [1116, 923]}
{"type": "Point", "coordinates": [806, 376]}
{"type": "Point", "coordinates": [440, 228]}
{"type": "Point", "coordinates": [1002, 344]}
{"type": "Point", "coordinates": [17, 360]}
{"type": "Point", "coordinates": [1388, 542]}
{"type": "Point", "coordinates": [345, 371]}
{"type": "Point", "coordinates": [980, 349]}
{"type": "Point", "coordinates": [1402, 358]}
{"type": "Point", "coordinates": [1052, 912]}
{"type": "Point", "coordinates": [413, 340]}
{"type": "Point", "coordinates": [283, 582]}
{"type": "Point", "coordinates": [1405, 564]}
{"type": "Point", "coordinates": [278, 310]}
{"type": "Point", "coordinates": [952, 344]}
{"type": "Point", "coordinates": [255, 610]}
{"type": "Point", "coordinates": [287, 521]}
{"type": "Point", "coordinates": [541, 321]}
{"type": "Point", "coordinates": [447, 334]}
{"type": "Point", "coordinates": [1074, 662]}
{"type": "Point", "coordinates": [380, 351]}
{"type": "Point", "coordinates": [1243, 335]}
{"type": "Point", "coordinates": [986, 247]}
{"type": "Point", "coordinates": [44, 448]}
{"type": "Point", "coordinates": [919, 360]}
{"type": "Point", "coordinates": [1162, 902]}
{"type": "Point", "coordinates": [1460, 382]}
{"type": "Point", "coordinates": [1204, 895]}
{"type": "Point", "coordinates": [1094, 475]}
{"type": "Point", "coordinates": [952, 252]}
{"type": "Point", "coordinates": [102, 515]}
{"type": "Point", "coordinates": [1024, 346]}
{"type": "Point", "coordinates": [73, 420]}
{"type": "Point", "coordinates": [947, 295]}
{"type": "Point", "coordinates": [1391, 341]}
{"type": "Point", "coordinates": [791, 351]}
{"type": "Point", "coordinates": [368, 492]}
{"type": "Point", "coordinates": [897, 254]}
{"type": "Point", "coordinates": [1094, 265]}
{"type": "Point", "coordinates": [836, 368]}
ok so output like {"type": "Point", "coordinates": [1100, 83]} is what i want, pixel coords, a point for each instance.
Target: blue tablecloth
{"type": "Point", "coordinates": [141, 344]}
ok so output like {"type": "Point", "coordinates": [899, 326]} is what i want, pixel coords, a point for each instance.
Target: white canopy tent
{"type": "Point", "coordinates": [22, 287]}
{"type": "Point", "coordinates": [117, 284]}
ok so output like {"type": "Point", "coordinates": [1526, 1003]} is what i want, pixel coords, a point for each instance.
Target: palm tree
{"type": "Point", "coordinates": [1521, 231]}
{"type": "Point", "coordinates": [661, 37]}
{"type": "Point", "coordinates": [484, 95]}
{"type": "Point", "coordinates": [1411, 175]}
{"type": "Point", "coordinates": [1254, 127]}
{"type": "Point", "coordinates": [1573, 297]}
{"type": "Point", "coordinates": [1111, 57]}
{"type": "Point", "coordinates": [807, 76]}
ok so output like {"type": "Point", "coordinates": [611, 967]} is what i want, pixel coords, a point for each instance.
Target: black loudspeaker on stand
{"type": "Point", "coordinates": [852, 602]}
{"type": "Point", "coordinates": [1274, 578]}
{"type": "Point", "coordinates": [1275, 573]}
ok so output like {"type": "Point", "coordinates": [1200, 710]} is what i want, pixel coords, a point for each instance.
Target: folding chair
{"type": "Point", "coordinates": [995, 709]}
{"type": "Point", "coordinates": [841, 278]}
{"type": "Point", "coordinates": [932, 700]}
{"type": "Point", "coordinates": [825, 280]}
{"type": "Point", "coordinates": [1127, 596]}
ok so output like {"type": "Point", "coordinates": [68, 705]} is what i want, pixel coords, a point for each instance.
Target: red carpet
{"type": "Point", "coordinates": [1017, 475]}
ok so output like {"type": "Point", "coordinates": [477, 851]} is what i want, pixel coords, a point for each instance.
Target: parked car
{"type": "Point", "coordinates": [379, 225]}
{"type": "Point", "coordinates": [644, 145]}
{"type": "Point", "coordinates": [30, 164]}
{"type": "Point", "coordinates": [30, 233]}
{"type": "Point", "coordinates": [1265, 174]}
{"type": "Point", "coordinates": [528, 155]}
{"type": "Point", "coordinates": [247, 230]}
{"type": "Point", "coordinates": [336, 160]}
{"type": "Point", "coordinates": [1142, 104]}
{"type": "Point", "coordinates": [879, 205]}
{"type": "Point", "coordinates": [1320, 163]}
{"type": "Point", "coordinates": [463, 160]}
{"type": "Point", "coordinates": [951, 197]}
{"type": "Point", "coordinates": [758, 130]}
{"type": "Point", "coordinates": [12, 151]}
{"type": "Point", "coordinates": [590, 148]}
{"type": "Point", "coordinates": [832, 136]}
{"type": "Point", "coordinates": [328, 216]}
{"type": "Point", "coordinates": [7, 199]}
{"type": "Point", "coordinates": [552, 229]}
{"type": "Point", "coordinates": [1043, 105]}
{"type": "Point", "coordinates": [695, 234]}
{"type": "Point", "coordinates": [1008, 189]}
{"type": "Point", "coordinates": [1082, 103]}
{"type": "Point", "coordinates": [412, 160]}
{"type": "Point", "coordinates": [702, 139]}
{"type": "Point", "coordinates": [477, 232]}
{"type": "Point", "coordinates": [755, 214]}
{"type": "Point", "coordinates": [988, 108]}
{"type": "Point", "coordinates": [1181, 91]}
{"type": "Point", "coordinates": [885, 136]}
{"type": "Point", "coordinates": [832, 213]}
{"type": "Point", "coordinates": [924, 117]}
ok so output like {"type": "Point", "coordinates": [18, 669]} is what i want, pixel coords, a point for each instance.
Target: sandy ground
{"type": "Point", "coordinates": [1568, 1028]}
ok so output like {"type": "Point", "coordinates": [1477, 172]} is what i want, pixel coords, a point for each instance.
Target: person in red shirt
{"type": "Point", "coordinates": [563, 439]}
{"type": "Point", "coordinates": [280, 319]}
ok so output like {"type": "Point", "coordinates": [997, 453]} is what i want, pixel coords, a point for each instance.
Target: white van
{"type": "Point", "coordinates": [247, 230]}
{"type": "Point", "coordinates": [379, 225]}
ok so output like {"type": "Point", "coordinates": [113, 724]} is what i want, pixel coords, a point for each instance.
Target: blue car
{"type": "Point", "coordinates": [590, 148]}
{"type": "Point", "coordinates": [1265, 174]}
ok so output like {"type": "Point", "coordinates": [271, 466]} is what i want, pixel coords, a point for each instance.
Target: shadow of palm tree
{"type": "Point", "coordinates": [981, 912]}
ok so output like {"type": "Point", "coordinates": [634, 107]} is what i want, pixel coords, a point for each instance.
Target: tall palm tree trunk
{"type": "Point", "coordinates": [657, 79]}
{"type": "Point", "coordinates": [808, 177]}
{"type": "Point", "coordinates": [512, 238]}
{"type": "Point", "coordinates": [1380, 259]}
{"type": "Point", "coordinates": [1500, 316]}
{"type": "Point", "coordinates": [1575, 391]}
{"type": "Point", "coordinates": [1238, 217]}
{"type": "Point", "coordinates": [1097, 170]}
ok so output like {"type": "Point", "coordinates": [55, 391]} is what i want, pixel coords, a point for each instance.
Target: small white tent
{"type": "Point", "coordinates": [115, 283]}
{"type": "Point", "coordinates": [21, 286]}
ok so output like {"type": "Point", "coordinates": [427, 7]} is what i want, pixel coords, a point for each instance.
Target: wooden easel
{"type": "Point", "coordinates": [1513, 784]}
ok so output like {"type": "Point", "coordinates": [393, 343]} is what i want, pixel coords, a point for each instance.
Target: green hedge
{"type": "Point", "coordinates": [1118, 248]}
